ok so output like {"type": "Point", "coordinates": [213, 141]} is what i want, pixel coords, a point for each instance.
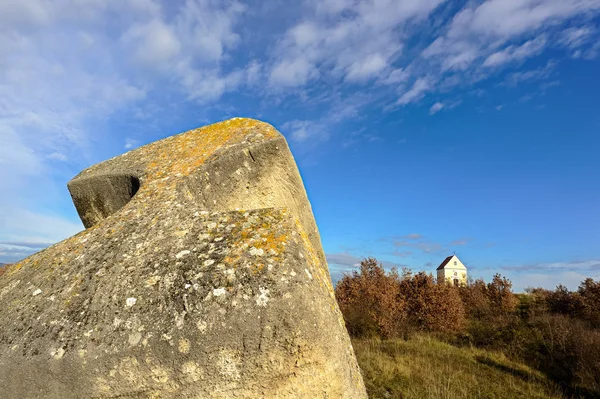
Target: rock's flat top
{"type": "Point", "coordinates": [204, 279]}
{"type": "Point", "coordinates": [162, 163]}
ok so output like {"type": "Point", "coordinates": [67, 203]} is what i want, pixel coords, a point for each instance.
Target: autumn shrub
{"type": "Point", "coordinates": [563, 301]}
{"type": "Point", "coordinates": [370, 301]}
{"type": "Point", "coordinates": [583, 304]}
{"type": "Point", "coordinates": [475, 299]}
{"type": "Point", "coordinates": [499, 291]}
{"type": "Point", "coordinates": [589, 301]}
{"type": "Point", "coordinates": [431, 306]}
{"type": "Point", "coordinates": [567, 350]}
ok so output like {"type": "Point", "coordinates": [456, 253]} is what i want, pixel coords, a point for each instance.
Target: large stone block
{"type": "Point", "coordinates": [200, 275]}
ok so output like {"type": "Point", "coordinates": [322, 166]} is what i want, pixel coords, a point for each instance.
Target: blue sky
{"type": "Point", "coordinates": [421, 127]}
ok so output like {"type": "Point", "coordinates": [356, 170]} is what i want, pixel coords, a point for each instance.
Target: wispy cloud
{"type": "Point", "coordinates": [435, 108]}
{"type": "Point", "coordinates": [577, 265]}
{"type": "Point", "coordinates": [343, 259]}
{"type": "Point", "coordinates": [424, 246]}
{"type": "Point", "coordinates": [402, 254]}
{"type": "Point", "coordinates": [413, 236]}
{"type": "Point", "coordinates": [516, 53]}
{"type": "Point", "coordinates": [30, 245]}
{"type": "Point", "coordinates": [460, 241]}
{"type": "Point", "coordinates": [544, 72]}
{"type": "Point", "coordinates": [351, 41]}
{"type": "Point", "coordinates": [347, 259]}
{"type": "Point", "coordinates": [570, 279]}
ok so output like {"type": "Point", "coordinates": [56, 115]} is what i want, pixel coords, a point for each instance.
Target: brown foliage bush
{"type": "Point", "coordinates": [431, 306]}
{"type": "Point", "coordinates": [475, 299]}
{"type": "Point", "coordinates": [374, 302]}
{"type": "Point", "coordinates": [370, 302]}
{"type": "Point", "coordinates": [589, 307]}
{"type": "Point", "coordinates": [567, 350]}
{"type": "Point", "coordinates": [583, 304]}
{"type": "Point", "coordinates": [502, 299]}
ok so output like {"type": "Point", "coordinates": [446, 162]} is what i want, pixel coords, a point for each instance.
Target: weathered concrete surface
{"type": "Point", "coordinates": [201, 275]}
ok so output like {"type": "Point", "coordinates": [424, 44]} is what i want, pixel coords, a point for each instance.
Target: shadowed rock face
{"type": "Point", "coordinates": [200, 275]}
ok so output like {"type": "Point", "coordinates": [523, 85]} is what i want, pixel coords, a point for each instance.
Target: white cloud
{"type": "Point", "coordinates": [502, 19]}
{"type": "Point", "coordinates": [417, 91]}
{"type": "Point", "coordinates": [130, 143]}
{"type": "Point", "coordinates": [576, 37]}
{"type": "Point", "coordinates": [206, 28]}
{"type": "Point", "coordinates": [531, 75]}
{"type": "Point", "coordinates": [396, 76]}
{"type": "Point", "coordinates": [301, 130]}
{"type": "Point", "coordinates": [484, 34]}
{"type": "Point", "coordinates": [355, 41]}
{"type": "Point", "coordinates": [18, 224]}
{"type": "Point", "coordinates": [254, 73]}
{"type": "Point", "coordinates": [292, 73]}
{"type": "Point", "coordinates": [58, 156]}
{"type": "Point", "coordinates": [570, 279]}
{"type": "Point", "coordinates": [516, 53]}
{"type": "Point", "coordinates": [413, 236]}
{"type": "Point", "coordinates": [152, 44]}
{"type": "Point", "coordinates": [435, 108]}
{"type": "Point", "coordinates": [367, 68]}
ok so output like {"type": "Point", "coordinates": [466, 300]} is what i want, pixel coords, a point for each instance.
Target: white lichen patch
{"type": "Point", "coordinates": [263, 297]}
{"type": "Point", "coordinates": [134, 338]}
{"type": "Point", "coordinates": [184, 345]}
{"type": "Point", "coordinates": [256, 251]}
{"type": "Point", "coordinates": [182, 254]}
{"type": "Point", "coordinates": [180, 319]}
{"type": "Point", "coordinates": [57, 353]}
{"type": "Point", "coordinates": [36, 292]}
{"type": "Point", "coordinates": [219, 291]}
{"type": "Point", "coordinates": [230, 274]}
{"type": "Point", "coordinates": [129, 302]}
{"type": "Point", "coordinates": [228, 364]}
{"type": "Point", "coordinates": [308, 274]}
{"type": "Point", "coordinates": [202, 326]}
{"type": "Point", "coordinates": [9, 288]}
{"type": "Point", "coordinates": [208, 262]}
{"type": "Point", "coordinates": [169, 279]}
{"type": "Point", "coordinates": [191, 371]}
{"type": "Point", "coordinates": [152, 281]}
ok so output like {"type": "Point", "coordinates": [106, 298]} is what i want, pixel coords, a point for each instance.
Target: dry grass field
{"type": "Point", "coordinates": [423, 367]}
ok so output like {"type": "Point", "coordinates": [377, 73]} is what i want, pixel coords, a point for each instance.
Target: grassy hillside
{"type": "Point", "coordinates": [423, 367]}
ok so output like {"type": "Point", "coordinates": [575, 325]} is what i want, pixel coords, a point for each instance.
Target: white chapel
{"type": "Point", "coordinates": [453, 271]}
